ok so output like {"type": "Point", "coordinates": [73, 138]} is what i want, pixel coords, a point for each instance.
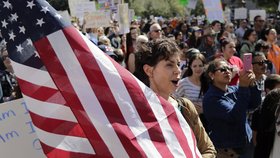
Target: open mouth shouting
{"type": "Point", "coordinates": [175, 82]}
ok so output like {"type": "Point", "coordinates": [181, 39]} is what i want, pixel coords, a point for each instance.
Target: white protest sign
{"type": "Point", "coordinates": [124, 22]}
{"type": "Point", "coordinates": [97, 19]}
{"type": "Point", "coordinates": [227, 14]}
{"type": "Point", "coordinates": [131, 14]}
{"type": "Point", "coordinates": [84, 7]}
{"type": "Point", "coordinates": [213, 10]}
{"type": "Point", "coordinates": [254, 13]}
{"type": "Point", "coordinates": [72, 5]}
{"type": "Point", "coordinates": [65, 15]}
{"type": "Point", "coordinates": [192, 4]}
{"type": "Point", "coordinates": [240, 13]}
{"type": "Point", "coordinates": [17, 134]}
{"type": "Point", "coordinates": [279, 6]}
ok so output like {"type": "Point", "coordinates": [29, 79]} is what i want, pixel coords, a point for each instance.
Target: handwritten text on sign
{"type": "Point", "coordinates": [17, 134]}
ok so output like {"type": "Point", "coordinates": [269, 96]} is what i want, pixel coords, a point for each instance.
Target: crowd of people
{"type": "Point", "coordinates": [199, 69]}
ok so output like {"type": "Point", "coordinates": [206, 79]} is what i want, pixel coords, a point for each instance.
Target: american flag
{"type": "Point", "coordinates": [82, 103]}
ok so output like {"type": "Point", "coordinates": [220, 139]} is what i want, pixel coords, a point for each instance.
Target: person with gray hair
{"type": "Point", "coordinates": [155, 31]}
{"type": "Point", "coordinates": [140, 41]}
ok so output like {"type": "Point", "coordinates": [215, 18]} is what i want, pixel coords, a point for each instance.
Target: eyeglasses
{"type": "Point", "coordinates": [261, 63]}
{"type": "Point", "coordinates": [224, 69]}
{"type": "Point", "coordinates": [157, 31]}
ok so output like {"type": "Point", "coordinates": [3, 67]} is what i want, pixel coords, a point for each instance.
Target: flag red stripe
{"type": "Point", "coordinates": [57, 126]}
{"type": "Point", "coordinates": [134, 91]}
{"type": "Point", "coordinates": [58, 74]}
{"type": "Point", "coordinates": [109, 104]}
{"type": "Point", "coordinates": [173, 121]}
{"type": "Point", "coordinates": [35, 91]}
{"type": "Point", "coordinates": [146, 114]}
{"type": "Point", "coordinates": [195, 145]}
{"type": "Point", "coordinates": [55, 152]}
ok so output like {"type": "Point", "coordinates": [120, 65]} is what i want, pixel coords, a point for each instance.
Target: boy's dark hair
{"type": "Point", "coordinates": [261, 44]}
{"type": "Point", "coordinates": [151, 54]}
{"type": "Point", "coordinates": [272, 81]}
{"type": "Point", "coordinates": [215, 22]}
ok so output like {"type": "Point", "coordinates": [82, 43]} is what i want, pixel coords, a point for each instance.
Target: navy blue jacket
{"type": "Point", "coordinates": [226, 115]}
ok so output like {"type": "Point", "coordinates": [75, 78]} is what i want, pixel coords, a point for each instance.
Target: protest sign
{"type": "Point", "coordinates": [84, 7]}
{"type": "Point", "coordinates": [240, 13]}
{"type": "Point", "coordinates": [123, 12]}
{"type": "Point", "coordinates": [97, 19]}
{"type": "Point", "coordinates": [17, 133]}
{"type": "Point", "coordinates": [72, 5]}
{"type": "Point", "coordinates": [254, 13]}
{"type": "Point", "coordinates": [65, 15]}
{"type": "Point", "coordinates": [192, 4]}
{"type": "Point", "coordinates": [213, 10]}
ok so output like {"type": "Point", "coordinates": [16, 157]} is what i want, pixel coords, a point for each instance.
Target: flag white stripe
{"type": "Point", "coordinates": [85, 94]}
{"type": "Point", "coordinates": [35, 76]}
{"type": "Point", "coordinates": [168, 133]}
{"type": "Point", "coordinates": [49, 110]}
{"type": "Point", "coordinates": [188, 133]}
{"type": "Point", "coordinates": [66, 143]}
{"type": "Point", "coordinates": [123, 98]}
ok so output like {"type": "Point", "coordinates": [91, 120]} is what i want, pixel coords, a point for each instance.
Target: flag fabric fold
{"type": "Point", "coordinates": [82, 103]}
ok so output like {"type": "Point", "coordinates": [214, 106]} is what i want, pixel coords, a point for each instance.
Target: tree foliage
{"type": "Point", "coordinates": [270, 6]}
{"type": "Point", "coordinates": [165, 8]}
{"type": "Point", "coordinates": [59, 4]}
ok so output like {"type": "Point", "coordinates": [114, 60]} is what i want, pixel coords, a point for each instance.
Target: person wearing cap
{"type": "Point", "coordinates": [155, 31]}
{"type": "Point", "coordinates": [195, 37]}
{"type": "Point", "coordinates": [108, 50]}
{"type": "Point", "coordinates": [208, 46]}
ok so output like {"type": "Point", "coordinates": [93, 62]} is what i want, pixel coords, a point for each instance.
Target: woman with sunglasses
{"type": "Point", "coordinates": [157, 65]}
{"type": "Point", "coordinates": [225, 108]}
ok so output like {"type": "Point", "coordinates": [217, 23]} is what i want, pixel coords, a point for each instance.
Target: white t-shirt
{"type": "Point", "coordinates": [191, 91]}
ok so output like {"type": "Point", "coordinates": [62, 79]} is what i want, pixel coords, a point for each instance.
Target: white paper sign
{"type": "Point", "coordinates": [131, 14]}
{"type": "Point", "coordinates": [254, 13]}
{"type": "Point", "coordinates": [65, 15]}
{"type": "Point", "coordinates": [124, 22]}
{"type": "Point", "coordinates": [84, 7]}
{"type": "Point", "coordinates": [213, 10]}
{"type": "Point", "coordinates": [97, 19]}
{"type": "Point", "coordinates": [227, 14]}
{"type": "Point", "coordinates": [192, 4]}
{"type": "Point", "coordinates": [72, 5]}
{"type": "Point", "coordinates": [240, 13]}
{"type": "Point", "coordinates": [17, 134]}
{"type": "Point", "coordinates": [279, 6]}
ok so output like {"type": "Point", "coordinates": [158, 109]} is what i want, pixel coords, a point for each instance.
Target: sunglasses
{"type": "Point", "coordinates": [157, 30]}
{"type": "Point", "coordinates": [261, 63]}
{"type": "Point", "coordinates": [224, 69]}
